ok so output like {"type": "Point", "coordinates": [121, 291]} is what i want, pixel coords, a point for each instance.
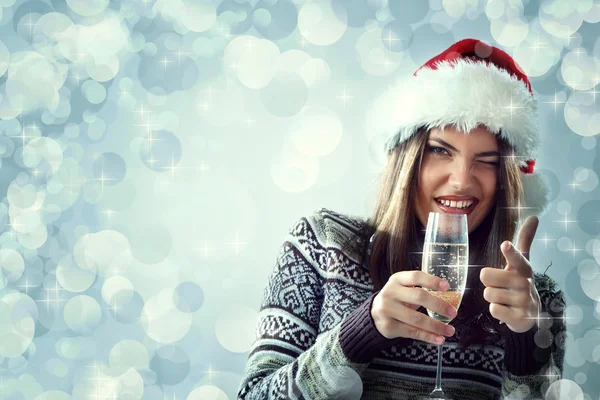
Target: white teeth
{"type": "Point", "coordinates": [456, 204]}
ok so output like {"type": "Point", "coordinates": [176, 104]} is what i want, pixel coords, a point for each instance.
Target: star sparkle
{"type": "Point", "coordinates": [109, 213]}
{"type": "Point", "coordinates": [344, 97]}
{"type": "Point", "coordinates": [26, 285]}
{"type": "Point", "coordinates": [56, 300]}
{"type": "Point", "coordinates": [236, 244]}
{"type": "Point", "coordinates": [519, 208]}
{"type": "Point", "coordinates": [210, 372]}
{"type": "Point", "coordinates": [566, 221]}
{"type": "Point", "coordinates": [165, 61]}
{"type": "Point", "coordinates": [179, 53]}
{"type": "Point", "coordinates": [512, 107]}
{"type": "Point", "coordinates": [537, 45]}
{"type": "Point", "coordinates": [103, 179]}
{"type": "Point", "coordinates": [546, 239]}
{"type": "Point", "coordinates": [72, 185]}
{"type": "Point", "coordinates": [205, 249]}
{"type": "Point", "coordinates": [30, 25]}
{"type": "Point", "coordinates": [391, 38]}
{"type": "Point", "coordinates": [578, 52]}
{"type": "Point", "coordinates": [555, 102]}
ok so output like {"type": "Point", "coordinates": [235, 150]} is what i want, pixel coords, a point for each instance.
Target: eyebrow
{"type": "Point", "coordinates": [483, 154]}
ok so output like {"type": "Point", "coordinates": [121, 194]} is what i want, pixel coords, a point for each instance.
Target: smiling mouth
{"type": "Point", "coordinates": [456, 210]}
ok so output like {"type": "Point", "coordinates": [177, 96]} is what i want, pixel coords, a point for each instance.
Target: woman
{"type": "Point", "coordinates": [344, 313]}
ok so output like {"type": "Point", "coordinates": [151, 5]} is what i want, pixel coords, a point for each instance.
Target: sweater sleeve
{"type": "Point", "coordinates": [287, 360]}
{"type": "Point", "coordinates": [533, 360]}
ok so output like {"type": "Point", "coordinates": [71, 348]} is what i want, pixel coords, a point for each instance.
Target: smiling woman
{"type": "Point", "coordinates": [345, 313]}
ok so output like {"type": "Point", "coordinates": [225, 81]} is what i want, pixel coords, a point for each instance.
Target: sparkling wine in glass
{"type": "Point", "coordinates": [446, 255]}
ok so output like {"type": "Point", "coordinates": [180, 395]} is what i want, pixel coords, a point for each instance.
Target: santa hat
{"type": "Point", "coordinates": [470, 84]}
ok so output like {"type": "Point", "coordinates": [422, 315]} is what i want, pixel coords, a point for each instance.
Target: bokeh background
{"type": "Point", "coordinates": [154, 154]}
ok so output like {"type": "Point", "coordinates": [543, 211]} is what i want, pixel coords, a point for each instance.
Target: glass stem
{"type": "Point", "coordinates": [438, 376]}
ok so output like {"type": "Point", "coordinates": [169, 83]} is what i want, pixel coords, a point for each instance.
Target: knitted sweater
{"type": "Point", "coordinates": [316, 338]}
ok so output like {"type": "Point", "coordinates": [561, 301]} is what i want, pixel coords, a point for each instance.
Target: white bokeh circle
{"type": "Point", "coordinates": [509, 32]}
{"type": "Point", "coordinates": [206, 392]}
{"type": "Point", "coordinates": [318, 131]}
{"type": "Point", "coordinates": [586, 179]}
{"type": "Point", "coordinates": [53, 395]}
{"type": "Point", "coordinates": [564, 243]}
{"type": "Point", "coordinates": [582, 114]}
{"type": "Point", "coordinates": [588, 269]}
{"type": "Point", "coordinates": [107, 251]}
{"type": "Point", "coordinates": [573, 314]}
{"type": "Point", "coordinates": [313, 71]}
{"type": "Point", "coordinates": [590, 283]}
{"type": "Point", "coordinates": [93, 91]}
{"type": "Point", "coordinates": [596, 250]}
{"type": "Point", "coordinates": [74, 277]}
{"type": "Point", "coordinates": [580, 378]}
{"type": "Point", "coordinates": [4, 57]}
{"type": "Point", "coordinates": [12, 265]}
{"type": "Point", "coordinates": [161, 319]}
{"type": "Point", "coordinates": [559, 18]}
{"type": "Point", "coordinates": [320, 24]}
{"type": "Point", "coordinates": [564, 389]}
{"type": "Point", "coordinates": [293, 171]}
{"type": "Point", "coordinates": [375, 59]}
{"type": "Point", "coordinates": [563, 207]}
{"type": "Point", "coordinates": [18, 314]}
{"type": "Point", "coordinates": [117, 285]}
{"type": "Point", "coordinates": [538, 53]}
{"type": "Point", "coordinates": [588, 142]}
{"type": "Point", "coordinates": [75, 348]}
{"type": "Point", "coordinates": [82, 314]}
{"type": "Point", "coordinates": [88, 8]}
{"type": "Point", "coordinates": [578, 70]}
{"type": "Point", "coordinates": [236, 328]}
{"type": "Point", "coordinates": [221, 104]}
{"type": "Point", "coordinates": [199, 16]}
{"type": "Point", "coordinates": [256, 60]}
{"type": "Point", "coordinates": [129, 353]}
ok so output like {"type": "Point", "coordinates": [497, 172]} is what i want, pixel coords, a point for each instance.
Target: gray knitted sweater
{"type": "Point", "coordinates": [316, 338]}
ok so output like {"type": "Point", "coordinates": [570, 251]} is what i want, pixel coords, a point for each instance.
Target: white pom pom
{"type": "Point", "coordinates": [535, 194]}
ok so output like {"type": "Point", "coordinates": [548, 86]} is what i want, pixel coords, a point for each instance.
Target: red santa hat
{"type": "Point", "coordinates": [469, 84]}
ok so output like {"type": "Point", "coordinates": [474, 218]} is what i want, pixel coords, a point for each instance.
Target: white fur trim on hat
{"type": "Point", "coordinates": [466, 94]}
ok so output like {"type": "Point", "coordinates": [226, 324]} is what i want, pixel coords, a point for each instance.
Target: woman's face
{"type": "Point", "coordinates": [458, 167]}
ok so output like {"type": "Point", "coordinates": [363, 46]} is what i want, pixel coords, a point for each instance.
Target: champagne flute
{"type": "Point", "coordinates": [446, 255]}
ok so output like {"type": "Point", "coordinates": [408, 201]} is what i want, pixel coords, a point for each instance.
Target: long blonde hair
{"type": "Point", "coordinates": [398, 234]}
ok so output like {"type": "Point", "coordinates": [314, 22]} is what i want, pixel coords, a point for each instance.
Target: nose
{"type": "Point", "coordinates": [461, 175]}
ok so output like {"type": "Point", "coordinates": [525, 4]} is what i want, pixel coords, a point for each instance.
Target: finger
{"type": "Point", "coordinates": [424, 322]}
{"type": "Point", "coordinates": [420, 278]}
{"type": "Point", "coordinates": [526, 235]}
{"type": "Point", "coordinates": [412, 332]}
{"type": "Point", "coordinates": [423, 298]}
{"type": "Point", "coordinates": [515, 261]}
{"type": "Point", "coordinates": [403, 321]}
{"type": "Point", "coordinates": [501, 278]}
{"type": "Point", "coordinates": [505, 297]}
{"type": "Point", "coordinates": [416, 325]}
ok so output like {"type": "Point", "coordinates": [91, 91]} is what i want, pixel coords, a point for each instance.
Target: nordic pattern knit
{"type": "Point", "coordinates": [316, 338]}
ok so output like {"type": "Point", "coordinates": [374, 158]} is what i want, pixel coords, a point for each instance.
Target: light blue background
{"type": "Point", "coordinates": [155, 153]}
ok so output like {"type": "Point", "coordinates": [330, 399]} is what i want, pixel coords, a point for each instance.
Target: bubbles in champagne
{"type": "Point", "coordinates": [452, 298]}
{"type": "Point", "coordinates": [450, 262]}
